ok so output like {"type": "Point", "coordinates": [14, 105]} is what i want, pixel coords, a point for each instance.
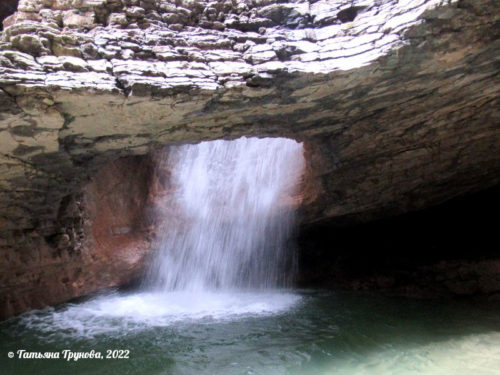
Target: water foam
{"type": "Point", "coordinates": [122, 313]}
{"type": "Point", "coordinates": [227, 221]}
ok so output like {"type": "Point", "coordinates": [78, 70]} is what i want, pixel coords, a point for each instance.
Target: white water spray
{"type": "Point", "coordinates": [229, 216]}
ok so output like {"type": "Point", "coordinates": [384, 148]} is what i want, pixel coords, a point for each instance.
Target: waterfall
{"type": "Point", "coordinates": [227, 215]}
{"type": "Point", "coordinates": [225, 219]}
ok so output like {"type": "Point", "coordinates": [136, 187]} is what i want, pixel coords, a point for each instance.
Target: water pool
{"type": "Point", "coordinates": [293, 332]}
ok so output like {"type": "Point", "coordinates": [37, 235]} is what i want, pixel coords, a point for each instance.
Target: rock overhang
{"type": "Point", "coordinates": [184, 71]}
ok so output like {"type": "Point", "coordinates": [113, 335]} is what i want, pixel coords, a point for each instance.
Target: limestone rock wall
{"type": "Point", "coordinates": [102, 240]}
{"type": "Point", "coordinates": [396, 101]}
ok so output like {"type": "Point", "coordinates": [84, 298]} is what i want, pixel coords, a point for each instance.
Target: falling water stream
{"type": "Point", "coordinates": [218, 297]}
{"type": "Point", "coordinates": [230, 216]}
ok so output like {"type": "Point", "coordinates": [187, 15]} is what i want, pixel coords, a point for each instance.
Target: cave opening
{"type": "Point", "coordinates": [439, 251]}
{"type": "Point", "coordinates": [415, 254]}
{"type": "Point", "coordinates": [447, 250]}
{"type": "Point", "coordinates": [142, 209]}
{"type": "Point", "coordinates": [192, 230]}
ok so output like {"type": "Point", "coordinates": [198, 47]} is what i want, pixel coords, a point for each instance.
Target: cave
{"type": "Point", "coordinates": [444, 251]}
{"type": "Point", "coordinates": [104, 105]}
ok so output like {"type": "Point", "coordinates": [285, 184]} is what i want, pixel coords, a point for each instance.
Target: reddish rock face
{"type": "Point", "coordinates": [116, 200]}
{"type": "Point", "coordinates": [104, 238]}
{"type": "Point", "coordinates": [103, 243]}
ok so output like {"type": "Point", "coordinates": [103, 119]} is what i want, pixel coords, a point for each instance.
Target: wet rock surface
{"type": "Point", "coordinates": [397, 101]}
{"type": "Point", "coordinates": [102, 241]}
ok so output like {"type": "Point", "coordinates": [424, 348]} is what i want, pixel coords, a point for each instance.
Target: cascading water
{"type": "Point", "coordinates": [224, 245]}
{"type": "Point", "coordinates": [228, 212]}
{"type": "Point", "coordinates": [229, 216]}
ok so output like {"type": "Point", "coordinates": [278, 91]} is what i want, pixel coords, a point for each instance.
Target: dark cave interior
{"type": "Point", "coordinates": [393, 253]}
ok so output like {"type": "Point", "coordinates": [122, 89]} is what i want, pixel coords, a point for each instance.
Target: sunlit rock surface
{"type": "Point", "coordinates": [397, 103]}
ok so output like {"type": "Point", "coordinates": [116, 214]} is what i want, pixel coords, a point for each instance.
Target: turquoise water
{"type": "Point", "coordinates": [295, 332]}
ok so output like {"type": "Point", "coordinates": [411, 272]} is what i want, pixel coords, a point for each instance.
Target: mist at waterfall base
{"type": "Point", "coordinates": [224, 248]}
{"type": "Point", "coordinates": [218, 298]}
